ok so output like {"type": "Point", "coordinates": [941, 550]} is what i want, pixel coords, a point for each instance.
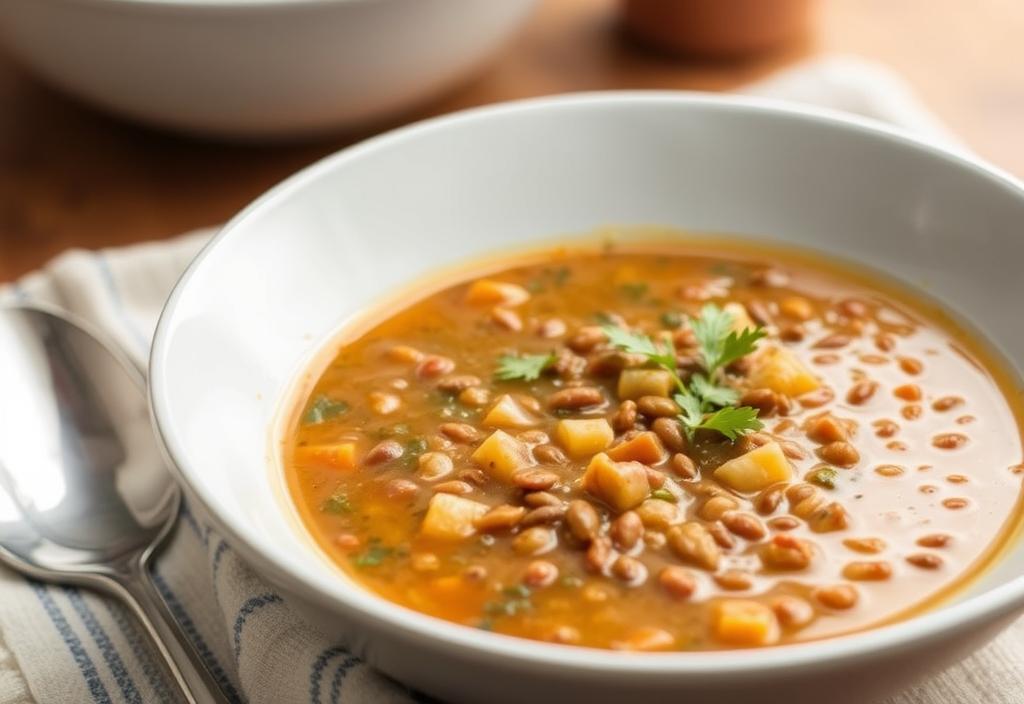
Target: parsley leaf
{"type": "Point", "coordinates": [373, 556]}
{"type": "Point", "coordinates": [732, 422]}
{"type": "Point", "coordinates": [336, 503]}
{"type": "Point", "coordinates": [719, 344]}
{"type": "Point", "coordinates": [712, 394]}
{"type": "Point", "coordinates": [638, 343]}
{"type": "Point", "coordinates": [527, 367]}
{"type": "Point", "coordinates": [693, 414]}
{"type": "Point", "coordinates": [324, 409]}
{"type": "Point", "coordinates": [634, 290]}
{"type": "Point", "coordinates": [739, 345]}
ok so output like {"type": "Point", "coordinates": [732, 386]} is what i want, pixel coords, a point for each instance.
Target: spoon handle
{"type": "Point", "coordinates": [188, 671]}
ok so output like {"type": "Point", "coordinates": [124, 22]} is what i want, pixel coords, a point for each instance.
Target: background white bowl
{"type": "Point", "coordinates": [285, 273]}
{"type": "Point", "coordinates": [247, 68]}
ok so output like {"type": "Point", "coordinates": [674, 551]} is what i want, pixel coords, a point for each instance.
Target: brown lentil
{"type": "Point", "coordinates": [582, 520]}
{"type": "Point", "coordinates": [384, 451]}
{"type": "Point", "coordinates": [576, 398]}
{"type": "Point", "coordinates": [500, 518]}
{"type": "Point", "coordinates": [625, 417]}
{"type": "Point", "coordinates": [839, 453]}
{"type": "Point", "coordinates": [949, 441]}
{"type": "Point", "coordinates": [534, 479]}
{"type": "Point", "coordinates": [861, 571]}
{"type": "Point", "coordinates": [459, 432]}
{"type": "Point", "coordinates": [657, 407]}
{"type": "Point", "coordinates": [861, 392]}
{"type": "Point", "coordinates": [837, 596]}
{"type": "Point", "coordinates": [925, 560]}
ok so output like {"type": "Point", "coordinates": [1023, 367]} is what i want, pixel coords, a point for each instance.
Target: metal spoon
{"type": "Point", "coordinates": [84, 495]}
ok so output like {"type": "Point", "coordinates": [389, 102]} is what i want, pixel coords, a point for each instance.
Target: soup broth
{"type": "Point", "coordinates": [685, 446]}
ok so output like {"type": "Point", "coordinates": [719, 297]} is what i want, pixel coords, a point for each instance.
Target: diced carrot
{"type": "Point", "coordinates": [745, 622]}
{"type": "Point", "coordinates": [336, 456]}
{"type": "Point", "coordinates": [645, 448]}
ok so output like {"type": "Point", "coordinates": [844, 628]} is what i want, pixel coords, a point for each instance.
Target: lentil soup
{"type": "Point", "coordinates": [687, 446]}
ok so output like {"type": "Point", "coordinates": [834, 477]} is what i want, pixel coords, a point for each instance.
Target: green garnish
{"type": "Point", "coordinates": [672, 319]}
{"type": "Point", "coordinates": [517, 599]}
{"type": "Point", "coordinates": [664, 495]}
{"type": "Point", "coordinates": [527, 367]}
{"type": "Point", "coordinates": [373, 556]}
{"type": "Point", "coordinates": [638, 343]}
{"type": "Point", "coordinates": [336, 503]}
{"type": "Point", "coordinates": [705, 403]}
{"type": "Point", "coordinates": [824, 476]}
{"type": "Point", "coordinates": [719, 344]}
{"type": "Point", "coordinates": [634, 290]}
{"type": "Point", "coordinates": [519, 590]}
{"type": "Point", "coordinates": [732, 422]}
{"type": "Point", "coordinates": [412, 450]}
{"type": "Point", "coordinates": [323, 409]}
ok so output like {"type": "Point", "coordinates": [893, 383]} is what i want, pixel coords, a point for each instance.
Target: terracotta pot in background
{"type": "Point", "coordinates": [716, 28]}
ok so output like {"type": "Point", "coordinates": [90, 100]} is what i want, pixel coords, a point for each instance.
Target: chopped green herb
{"type": "Point", "coordinates": [824, 476]}
{"type": "Point", "coordinates": [634, 290]}
{"type": "Point", "coordinates": [604, 318]}
{"type": "Point", "coordinates": [732, 422]}
{"type": "Point", "coordinates": [561, 275]}
{"type": "Point", "coordinates": [412, 450]}
{"type": "Point", "coordinates": [535, 286]}
{"type": "Point", "coordinates": [664, 495]}
{"type": "Point", "coordinates": [324, 409]}
{"type": "Point", "coordinates": [672, 319]}
{"type": "Point", "coordinates": [528, 367]}
{"type": "Point", "coordinates": [706, 403]}
{"type": "Point", "coordinates": [517, 590]}
{"type": "Point", "coordinates": [373, 556]}
{"type": "Point", "coordinates": [638, 343]}
{"type": "Point", "coordinates": [571, 581]}
{"type": "Point", "coordinates": [336, 503]}
{"type": "Point", "coordinates": [719, 343]}
{"type": "Point", "coordinates": [712, 393]}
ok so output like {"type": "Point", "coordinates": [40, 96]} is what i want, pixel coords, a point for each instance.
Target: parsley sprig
{"type": "Point", "coordinates": [527, 367]}
{"type": "Point", "coordinates": [706, 403]}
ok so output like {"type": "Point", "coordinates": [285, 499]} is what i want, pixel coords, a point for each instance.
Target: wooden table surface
{"type": "Point", "coordinates": [70, 176]}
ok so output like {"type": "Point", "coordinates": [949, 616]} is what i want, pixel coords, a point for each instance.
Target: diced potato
{"type": "Point", "coordinates": [745, 622]}
{"type": "Point", "coordinates": [780, 370]}
{"type": "Point", "coordinates": [496, 293]}
{"type": "Point", "coordinates": [508, 413]}
{"type": "Point", "coordinates": [644, 447]}
{"type": "Point", "coordinates": [634, 383]}
{"type": "Point", "coordinates": [741, 320]}
{"type": "Point", "coordinates": [755, 470]}
{"type": "Point", "coordinates": [451, 517]}
{"type": "Point", "coordinates": [621, 485]}
{"type": "Point", "coordinates": [337, 456]}
{"type": "Point", "coordinates": [582, 437]}
{"type": "Point", "coordinates": [500, 455]}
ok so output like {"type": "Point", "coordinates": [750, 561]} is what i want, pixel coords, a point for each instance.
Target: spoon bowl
{"type": "Point", "coordinates": [84, 495]}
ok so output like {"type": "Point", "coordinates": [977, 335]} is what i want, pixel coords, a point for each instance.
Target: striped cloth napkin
{"type": "Point", "coordinates": [62, 644]}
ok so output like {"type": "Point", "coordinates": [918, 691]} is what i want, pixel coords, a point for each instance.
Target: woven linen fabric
{"type": "Point", "coordinates": [64, 644]}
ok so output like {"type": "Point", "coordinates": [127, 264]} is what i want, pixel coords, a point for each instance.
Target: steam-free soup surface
{"type": "Point", "coordinates": [574, 449]}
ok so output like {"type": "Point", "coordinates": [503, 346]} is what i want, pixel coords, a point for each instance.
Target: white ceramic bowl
{"type": "Point", "coordinates": [282, 276]}
{"type": "Point", "coordinates": [249, 68]}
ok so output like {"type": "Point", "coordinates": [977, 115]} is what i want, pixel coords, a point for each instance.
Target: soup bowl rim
{"type": "Point", "coordinates": [373, 612]}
